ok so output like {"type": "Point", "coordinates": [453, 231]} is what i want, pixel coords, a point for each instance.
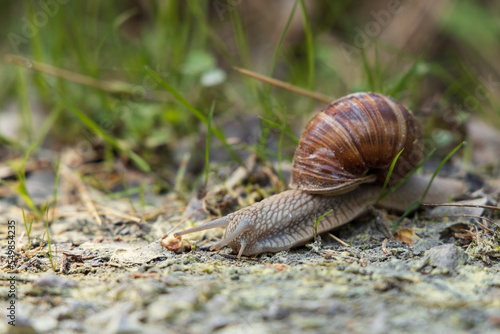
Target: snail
{"type": "Point", "coordinates": [340, 164]}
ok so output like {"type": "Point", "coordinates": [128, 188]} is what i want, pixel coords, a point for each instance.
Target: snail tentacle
{"type": "Point", "coordinates": [220, 222]}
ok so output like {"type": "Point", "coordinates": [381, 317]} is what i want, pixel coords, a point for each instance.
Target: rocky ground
{"type": "Point", "coordinates": [432, 277]}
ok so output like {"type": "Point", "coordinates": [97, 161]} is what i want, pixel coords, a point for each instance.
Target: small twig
{"type": "Point", "coordinates": [489, 207]}
{"type": "Point", "coordinates": [470, 216]}
{"type": "Point", "coordinates": [342, 242]}
{"type": "Point", "coordinates": [285, 85]}
{"type": "Point", "coordinates": [485, 227]}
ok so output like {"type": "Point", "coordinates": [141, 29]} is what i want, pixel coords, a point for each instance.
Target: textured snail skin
{"type": "Point", "coordinates": [287, 219]}
{"type": "Point", "coordinates": [348, 144]}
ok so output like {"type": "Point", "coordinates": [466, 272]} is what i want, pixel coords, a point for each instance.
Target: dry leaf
{"type": "Point", "coordinates": [405, 236]}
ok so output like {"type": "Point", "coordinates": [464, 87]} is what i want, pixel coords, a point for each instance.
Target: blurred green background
{"type": "Point", "coordinates": [135, 81]}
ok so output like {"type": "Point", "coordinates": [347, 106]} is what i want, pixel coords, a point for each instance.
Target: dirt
{"type": "Point", "coordinates": [117, 278]}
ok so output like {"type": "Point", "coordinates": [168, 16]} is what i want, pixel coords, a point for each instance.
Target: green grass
{"type": "Point", "coordinates": [27, 227]}
{"type": "Point", "coordinates": [47, 229]}
{"type": "Point", "coordinates": [160, 55]}
{"type": "Point", "coordinates": [386, 192]}
{"type": "Point", "coordinates": [417, 203]}
{"type": "Point", "coordinates": [317, 221]}
{"type": "Point", "coordinates": [207, 143]}
{"type": "Point", "coordinates": [309, 46]}
{"type": "Point", "coordinates": [198, 114]}
{"type": "Point", "coordinates": [24, 104]}
{"type": "Point", "coordinates": [388, 177]}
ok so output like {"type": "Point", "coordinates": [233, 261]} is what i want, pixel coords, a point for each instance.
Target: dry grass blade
{"type": "Point", "coordinates": [107, 210]}
{"type": "Point", "coordinates": [83, 193]}
{"type": "Point", "coordinates": [115, 87]}
{"type": "Point", "coordinates": [339, 240]}
{"type": "Point", "coordinates": [468, 216]}
{"type": "Point", "coordinates": [285, 85]}
{"type": "Point", "coordinates": [489, 207]}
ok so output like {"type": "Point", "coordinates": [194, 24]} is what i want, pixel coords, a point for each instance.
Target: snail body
{"type": "Point", "coordinates": [340, 162]}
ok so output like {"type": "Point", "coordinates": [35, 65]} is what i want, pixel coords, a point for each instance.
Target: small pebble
{"type": "Point", "coordinates": [442, 259]}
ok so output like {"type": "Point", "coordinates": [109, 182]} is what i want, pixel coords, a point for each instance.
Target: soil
{"type": "Point", "coordinates": [431, 277]}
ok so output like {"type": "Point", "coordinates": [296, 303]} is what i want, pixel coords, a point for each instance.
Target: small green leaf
{"type": "Point", "coordinates": [389, 174]}
{"type": "Point", "coordinates": [415, 204]}
{"type": "Point", "coordinates": [207, 142]}
{"type": "Point", "coordinates": [316, 223]}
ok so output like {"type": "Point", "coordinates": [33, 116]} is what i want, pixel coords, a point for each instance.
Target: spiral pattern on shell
{"type": "Point", "coordinates": [354, 140]}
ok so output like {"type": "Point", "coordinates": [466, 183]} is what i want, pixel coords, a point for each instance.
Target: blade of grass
{"type": "Point", "coordinates": [405, 78]}
{"type": "Point", "coordinates": [181, 172]}
{"type": "Point", "coordinates": [89, 123]}
{"type": "Point", "coordinates": [448, 156]}
{"type": "Point", "coordinates": [417, 203]}
{"type": "Point", "coordinates": [56, 187]}
{"type": "Point", "coordinates": [282, 129]}
{"type": "Point", "coordinates": [316, 223]}
{"type": "Point", "coordinates": [389, 174]}
{"type": "Point", "coordinates": [44, 129]}
{"type": "Point", "coordinates": [129, 197]}
{"type": "Point", "coordinates": [21, 188]}
{"type": "Point", "coordinates": [114, 87]}
{"type": "Point", "coordinates": [24, 105]}
{"type": "Point", "coordinates": [281, 142]}
{"type": "Point", "coordinates": [285, 85]}
{"type": "Point", "coordinates": [240, 37]}
{"type": "Point", "coordinates": [37, 52]}
{"type": "Point", "coordinates": [48, 237]}
{"type": "Point", "coordinates": [368, 71]}
{"type": "Point", "coordinates": [28, 228]}
{"type": "Point", "coordinates": [9, 142]}
{"type": "Point", "coordinates": [198, 114]}
{"type": "Point", "coordinates": [207, 142]}
{"type": "Point", "coordinates": [378, 75]}
{"type": "Point", "coordinates": [309, 45]}
{"type": "Point", "coordinates": [274, 60]}
{"type": "Point", "coordinates": [142, 199]}
{"type": "Point", "coordinates": [113, 28]}
{"type": "Point", "coordinates": [280, 157]}
{"type": "Point", "coordinates": [264, 95]}
{"type": "Point", "coordinates": [406, 177]}
{"type": "Point", "coordinates": [122, 194]}
{"type": "Point", "coordinates": [200, 15]}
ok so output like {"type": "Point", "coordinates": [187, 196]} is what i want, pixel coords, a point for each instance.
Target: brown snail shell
{"type": "Point", "coordinates": [353, 141]}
